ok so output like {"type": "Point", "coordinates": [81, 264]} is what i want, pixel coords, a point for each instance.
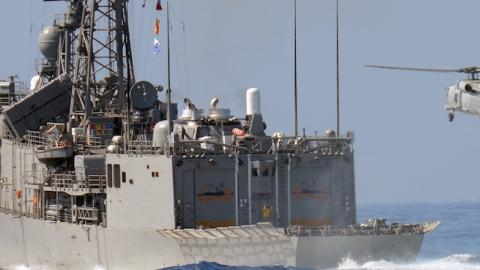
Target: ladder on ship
{"type": "Point", "coordinates": [282, 174]}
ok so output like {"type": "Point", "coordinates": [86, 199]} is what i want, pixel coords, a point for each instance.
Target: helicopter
{"type": "Point", "coordinates": [462, 97]}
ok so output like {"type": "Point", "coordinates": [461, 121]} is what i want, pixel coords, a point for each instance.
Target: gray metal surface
{"type": "Point", "coordinates": [37, 108]}
{"type": "Point", "coordinates": [86, 247]}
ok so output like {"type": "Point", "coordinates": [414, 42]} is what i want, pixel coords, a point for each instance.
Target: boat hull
{"type": "Point", "coordinates": [33, 242]}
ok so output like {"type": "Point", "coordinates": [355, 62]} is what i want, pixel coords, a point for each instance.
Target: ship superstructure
{"type": "Point", "coordinates": [97, 170]}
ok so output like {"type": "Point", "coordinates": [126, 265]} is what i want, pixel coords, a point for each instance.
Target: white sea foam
{"type": "Point", "coordinates": [452, 262]}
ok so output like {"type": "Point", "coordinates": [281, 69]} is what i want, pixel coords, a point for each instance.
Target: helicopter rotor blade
{"type": "Point", "coordinates": [440, 70]}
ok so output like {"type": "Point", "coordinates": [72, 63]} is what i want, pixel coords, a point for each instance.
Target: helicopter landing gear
{"type": "Point", "coordinates": [451, 116]}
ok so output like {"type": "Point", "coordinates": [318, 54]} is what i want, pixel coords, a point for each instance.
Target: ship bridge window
{"type": "Point", "coordinates": [124, 177]}
{"type": "Point", "coordinates": [116, 176]}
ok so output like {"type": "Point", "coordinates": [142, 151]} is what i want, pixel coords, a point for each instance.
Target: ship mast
{"type": "Point", "coordinates": [169, 75]}
{"type": "Point", "coordinates": [295, 75]}
{"type": "Point", "coordinates": [103, 70]}
{"type": "Point", "coordinates": [338, 71]}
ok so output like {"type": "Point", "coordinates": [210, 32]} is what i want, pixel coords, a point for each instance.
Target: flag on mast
{"type": "Point", "coordinates": [159, 5]}
{"type": "Point", "coordinates": [156, 46]}
{"type": "Point", "coordinates": [157, 26]}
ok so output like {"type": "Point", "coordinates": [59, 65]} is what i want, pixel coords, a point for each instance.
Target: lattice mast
{"type": "Point", "coordinates": [103, 66]}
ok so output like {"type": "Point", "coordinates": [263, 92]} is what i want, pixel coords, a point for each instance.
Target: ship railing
{"type": "Point", "coordinates": [87, 214]}
{"type": "Point", "coordinates": [81, 142]}
{"type": "Point", "coordinates": [62, 181]}
{"type": "Point", "coordinates": [33, 177]}
{"type": "Point", "coordinates": [321, 145]}
{"type": "Point", "coordinates": [206, 147]}
{"type": "Point", "coordinates": [94, 143]}
{"type": "Point", "coordinates": [42, 65]}
{"type": "Point", "coordinates": [64, 215]}
{"type": "Point", "coordinates": [21, 90]}
{"type": "Point", "coordinates": [395, 229]}
{"type": "Point", "coordinates": [145, 147]}
{"type": "Point", "coordinates": [5, 100]}
{"type": "Point", "coordinates": [69, 181]}
{"type": "Point", "coordinates": [34, 138]}
{"type": "Point", "coordinates": [89, 144]}
{"type": "Point", "coordinates": [35, 214]}
{"type": "Point", "coordinates": [96, 182]}
{"type": "Point", "coordinates": [313, 144]}
{"type": "Point", "coordinates": [64, 20]}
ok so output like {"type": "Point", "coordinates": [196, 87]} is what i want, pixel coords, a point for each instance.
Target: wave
{"type": "Point", "coordinates": [217, 266]}
{"type": "Point", "coordinates": [452, 262]}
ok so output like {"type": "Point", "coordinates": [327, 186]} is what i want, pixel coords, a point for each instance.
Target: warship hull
{"type": "Point", "coordinates": [53, 245]}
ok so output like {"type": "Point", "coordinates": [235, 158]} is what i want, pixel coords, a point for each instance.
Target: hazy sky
{"type": "Point", "coordinates": [406, 150]}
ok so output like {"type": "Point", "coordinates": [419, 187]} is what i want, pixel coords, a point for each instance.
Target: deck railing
{"type": "Point", "coordinates": [69, 181]}
{"type": "Point", "coordinates": [395, 229]}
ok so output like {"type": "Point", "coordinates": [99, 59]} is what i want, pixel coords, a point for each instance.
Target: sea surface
{"type": "Point", "coordinates": [455, 245]}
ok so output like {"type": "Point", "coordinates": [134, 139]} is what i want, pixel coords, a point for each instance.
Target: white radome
{"type": "Point", "coordinates": [253, 101]}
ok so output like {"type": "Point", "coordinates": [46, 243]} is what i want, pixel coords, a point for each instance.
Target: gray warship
{"type": "Point", "coordinates": [98, 171]}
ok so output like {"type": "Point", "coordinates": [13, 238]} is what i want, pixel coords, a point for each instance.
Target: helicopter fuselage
{"type": "Point", "coordinates": [463, 97]}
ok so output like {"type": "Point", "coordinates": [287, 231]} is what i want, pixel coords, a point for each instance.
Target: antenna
{"type": "Point", "coordinates": [338, 74]}
{"type": "Point", "coordinates": [168, 48]}
{"type": "Point", "coordinates": [295, 68]}
{"type": "Point", "coordinates": [169, 88]}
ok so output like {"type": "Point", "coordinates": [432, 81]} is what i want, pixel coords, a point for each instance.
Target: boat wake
{"type": "Point", "coordinates": [452, 262]}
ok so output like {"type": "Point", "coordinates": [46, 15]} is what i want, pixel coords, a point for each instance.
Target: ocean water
{"type": "Point", "coordinates": [455, 245]}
